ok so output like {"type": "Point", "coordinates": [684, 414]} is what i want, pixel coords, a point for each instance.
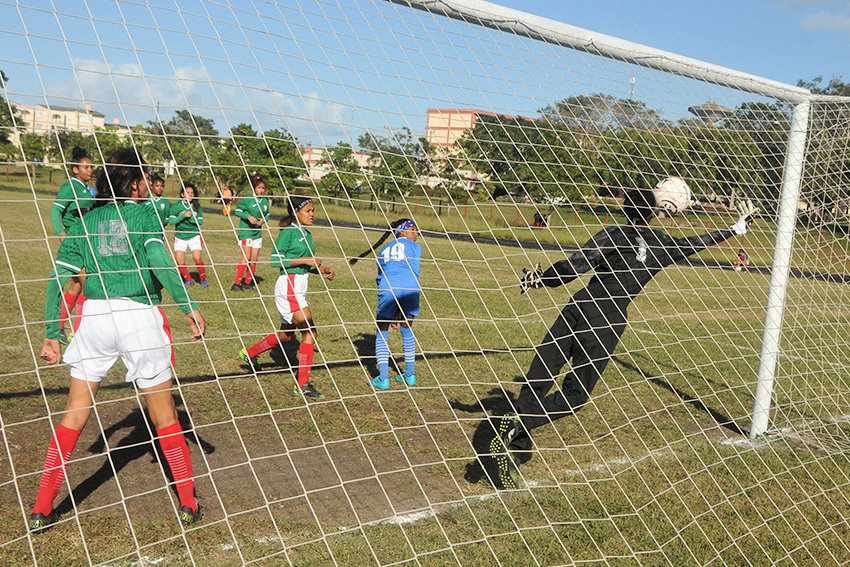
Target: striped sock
{"type": "Point", "coordinates": [382, 353]}
{"type": "Point", "coordinates": [409, 344]}
{"type": "Point", "coordinates": [305, 363]}
{"type": "Point", "coordinates": [267, 343]}
{"type": "Point", "coordinates": [176, 452]}
{"type": "Point", "coordinates": [61, 446]}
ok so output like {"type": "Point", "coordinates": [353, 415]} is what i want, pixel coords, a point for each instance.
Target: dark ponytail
{"type": "Point", "coordinates": [639, 206]}
{"type": "Point", "coordinates": [381, 240]}
{"type": "Point", "coordinates": [293, 205]}
{"type": "Point", "coordinates": [119, 172]}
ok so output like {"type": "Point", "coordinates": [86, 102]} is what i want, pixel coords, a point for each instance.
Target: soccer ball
{"type": "Point", "coordinates": [672, 194]}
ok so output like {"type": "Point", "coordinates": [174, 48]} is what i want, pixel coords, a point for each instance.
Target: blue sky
{"type": "Point", "coordinates": [329, 70]}
{"type": "Point", "coordinates": [784, 40]}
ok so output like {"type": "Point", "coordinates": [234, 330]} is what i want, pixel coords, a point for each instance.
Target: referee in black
{"type": "Point", "coordinates": [625, 259]}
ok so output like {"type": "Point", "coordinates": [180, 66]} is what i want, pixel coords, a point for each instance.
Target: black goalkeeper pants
{"type": "Point", "coordinates": [588, 344]}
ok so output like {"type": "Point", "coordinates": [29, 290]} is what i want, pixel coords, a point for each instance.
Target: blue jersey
{"type": "Point", "coordinates": [398, 265]}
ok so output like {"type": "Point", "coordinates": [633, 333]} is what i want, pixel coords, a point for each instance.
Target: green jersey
{"type": "Point", "coordinates": [73, 199]}
{"type": "Point", "coordinates": [251, 206]}
{"type": "Point", "coordinates": [162, 207]}
{"type": "Point", "coordinates": [185, 228]}
{"type": "Point", "coordinates": [294, 241]}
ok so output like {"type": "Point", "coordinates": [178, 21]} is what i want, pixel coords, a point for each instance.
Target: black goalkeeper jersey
{"type": "Point", "coordinates": [625, 259]}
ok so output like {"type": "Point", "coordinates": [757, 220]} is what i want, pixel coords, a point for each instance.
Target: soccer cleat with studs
{"type": "Point", "coordinates": [236, 287]}
{"type": "Point", "coordinates": [507, 429]}
{"type": "Point", "coordinates": [40, 522]}
{"type": "Point", "coordinates": [380, 384]}
{"type": "Point", "coordinates": [252, 362]}
{"type": "Point", "coordinates": [189, 516]}
{"type": "Point", "coordinates": [205, 283]}
{"type": "Point", "coordinates": [409, 379]}
{"type": "Point", "coordinates": [309, 391]}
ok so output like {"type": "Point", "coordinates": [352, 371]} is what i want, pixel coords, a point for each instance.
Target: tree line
{"type": "Point", "coordinates": [576, 147]}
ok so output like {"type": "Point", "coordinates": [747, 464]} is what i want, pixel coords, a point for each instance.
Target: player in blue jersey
{"type": "Point", "coordinates": [398, 298]}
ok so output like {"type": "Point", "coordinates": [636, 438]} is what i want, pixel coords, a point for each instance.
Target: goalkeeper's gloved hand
{"type": "Point", "coordinates": [747, 212]}
{"type": "Point", "coordinates": [531, 279]}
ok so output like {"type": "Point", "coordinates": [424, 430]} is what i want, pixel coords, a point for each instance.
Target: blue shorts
{"type": "Point", "coordinates": [391, 303]}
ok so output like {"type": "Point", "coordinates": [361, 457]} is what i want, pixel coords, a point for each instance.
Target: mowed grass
{"type": "Point", "coordinates": [655, 470]}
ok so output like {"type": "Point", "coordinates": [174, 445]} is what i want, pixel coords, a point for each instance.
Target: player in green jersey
{"type": "Point", "coordinates": [119, 245]}
{"type": "Point", "coordinates": [74, 199]}
{"type": "Point", "coordinates": [253, 212]}
{"type": "Point", "coordinates": [160, 204]}
{"type": "Point", "coordinates": [295, 254]}
{"type": "Point", "coordinates": [187, 216]}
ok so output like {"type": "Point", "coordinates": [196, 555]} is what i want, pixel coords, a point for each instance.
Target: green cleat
{"type": "Point", "coordinates": [507, 472]}
{"type": "Point", "coordinates": [252, 362]}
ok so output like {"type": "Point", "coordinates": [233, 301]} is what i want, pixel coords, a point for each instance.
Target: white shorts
{"type": "Point", "coordinates": [290, 295]}
{"type": "Point", "coordinates": [139, 334]}
{"type": "Point", "coordinates": [192, 244]}
{"type": "Point", "coordinates": [252, 242]}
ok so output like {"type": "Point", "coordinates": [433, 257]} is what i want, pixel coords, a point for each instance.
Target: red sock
{"type": "Point", "coordinates": [184, 271]}
{"type": "Point", "coordinates": [176, 452]}
{"type": "Point", "coordinates": [61, 445]}
{"type": "Point", "coordinates": [78, 311]}
{"type": "Point", "coordinates": [240, 271]}
{"type": "Point", "coordinates": [202, 270]}
{"type": "Point", "coordinates": [253, 268]}
{"type": "Point", "coordinates": [69, 300]}
{"type": "Point", "coordinates": [267, 343]}
{"type": "Point", "coordinates": [249, 274]}
{"type": "Point", "coordinates": [305, 363]}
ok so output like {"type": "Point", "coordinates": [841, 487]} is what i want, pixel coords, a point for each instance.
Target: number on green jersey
{"type": "Point", "coordinates": [112, 238]}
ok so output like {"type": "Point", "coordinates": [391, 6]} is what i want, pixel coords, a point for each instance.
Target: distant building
{"type": "Point", "coordinates": [41, 119]}
{"type": "Point", "coordinates": [316, 169]}
{"type": "Point", "coordinates": [443, 128]}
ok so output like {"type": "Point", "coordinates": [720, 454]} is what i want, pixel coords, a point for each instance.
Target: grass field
{"type": "Point", "coordinates": [656, 470]}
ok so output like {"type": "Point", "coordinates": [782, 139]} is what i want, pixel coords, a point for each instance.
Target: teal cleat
{"type": "Point", "coordinates": [410, 380]}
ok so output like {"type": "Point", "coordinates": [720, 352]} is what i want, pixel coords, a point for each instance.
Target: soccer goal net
{"type": "Point", "coordinates": [336, 414]}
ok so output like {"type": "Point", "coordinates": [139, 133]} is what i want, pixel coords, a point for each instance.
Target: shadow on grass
{"type": "Point", "coordinates": [136, 444]}
{"type": "Point", "coordinates": [721, 419]}
{"type": "Point", "coordinates": [497, 403]}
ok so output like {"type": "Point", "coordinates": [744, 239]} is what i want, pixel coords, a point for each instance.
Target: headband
{"type": "Point", "coordinates": [403, 226]}
{"type": "Point", "coordinates": [301, 205]}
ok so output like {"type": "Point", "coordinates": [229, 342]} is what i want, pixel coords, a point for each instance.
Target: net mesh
{"type": "Point", "coordinates": [508, 153]}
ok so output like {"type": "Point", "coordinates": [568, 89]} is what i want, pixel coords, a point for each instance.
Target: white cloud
{"type": "Point", "coordinates": [825, 21]}
{"type": "Point", "coordinates": [128, 92]}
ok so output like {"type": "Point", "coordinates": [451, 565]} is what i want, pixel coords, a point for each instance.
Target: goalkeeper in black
{"type": "Point", "coordinates": [625, 259]}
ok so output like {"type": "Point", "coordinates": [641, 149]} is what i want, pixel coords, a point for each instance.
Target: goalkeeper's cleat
{"type": "Point", "coordinates": [236, 287]}
{"type": "Point", "coordinates": [40, 522]}
{"type": "Point", "coordinates": [379, 383]}
{"type": "Point", "coordinates": [309, 391]}
{"type": "Point", "coordinates": [507, 473]}
{"type": "Point", "coordinates": [409, 379]}
{"type": "Point", "coordinates": [189, 516]}
{"type": "Point", "coordinates": [205, 283]}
